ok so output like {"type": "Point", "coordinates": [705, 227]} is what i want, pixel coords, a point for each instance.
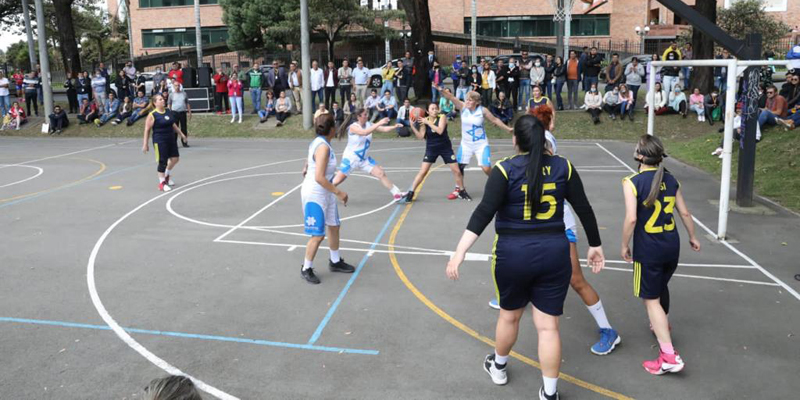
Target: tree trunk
{"type": "Point", "coordinates": [331, 44]}
{"type": "Point", "coordinates": [703, 48]}
{"type": "Point", "coordinates": [66, 33]}
{"type": "Point", "coordinates": [422, 41]}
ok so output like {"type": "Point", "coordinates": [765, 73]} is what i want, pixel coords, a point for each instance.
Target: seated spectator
{"type": "Point", "coordinates": [282, 108]}
{"type": "Point", "coordinates": [677, 101]}
{"type": "Point", "coordinates": [58, 120]}
{"type": "Point", "coordinates": [612, 102]}
{"type": "Point", "coordinates": [371, 104]}
{"type": "Point", "coordinates": [404, 113]}
{"type": "Point", "coordinates": [141, 106]}
{"type": "Point", "coordinates": [338, 114]}
{"type": "Point", "coordinates": [626, 102]}
{"type": "Point", "coordinates": [321, 109]}
{"type": "Point", "coordinates": [775, 107]}
{"type": "Point", "coordinates": [593, 102]}
{"type": "Point", "coordinates": [737, 131]}
{"type": "Point", "coordinates": [387, 106]}
{"type": "Point", "coordinates": [697, 104]}
{"type": "Point", "coordinates": [269, 107]}
{"type": "Point", "coordinates": [447, 108]}
{"type": "Point", "coordinates": [87, 112]}
{"type": "Point", "coordinates": [171, 388]}
{"type": "Point", "coordinates": [658, 99]}
{"type": "Point", "coordinates": [712, 105]}
{"type": "Point", "coordinates": [15, 117]}
{"type": "Point", "coordinates": [791, 90]}
{"type": "Point", "coordinates": [351, 105]}
{"type": "Point", "coordinates": [125, 110]}
{"type": "Point", "coordinates": [111, 107]}
{"type": "Point", "coordinates": [502, 108]}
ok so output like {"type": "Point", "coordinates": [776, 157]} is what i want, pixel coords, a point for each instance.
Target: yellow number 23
{"type": "Point", "coordinates": [650, 226]}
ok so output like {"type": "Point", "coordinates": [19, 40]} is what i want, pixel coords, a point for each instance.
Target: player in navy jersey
{"type": "Point", "coordinates": [531, 261]}
{"type": "Point", "coordinates": [437, 144]}
{"type": "Point", "coordinates": [651, 195]}
{"type": "Point", "coordinates": [161, 122]}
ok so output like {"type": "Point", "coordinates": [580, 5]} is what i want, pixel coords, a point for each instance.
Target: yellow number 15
{"type": "Point", "coordinates": [650, 226]}
{"type": "Point", "coordinates": [546, 198]}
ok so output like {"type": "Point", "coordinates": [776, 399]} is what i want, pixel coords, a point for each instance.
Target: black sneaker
{"type": "Point", "coordinates": [185, 144]}
{"type": "Point", "coordinates": [630, 117]}
{"type": "Point", "coordinates": [308, 275]}
{"type": "Point", "coordinates": [463, 195]}
{"type": "Point", "coordinates": [544, 396]}
{"type": "Point", "coordinates": [622, 117]}
{"type": "Point", "coordinates": [409, 196]}
{"type": "Point", "coordinates": [341, 266]}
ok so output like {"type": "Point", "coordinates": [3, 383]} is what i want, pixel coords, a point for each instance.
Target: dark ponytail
{"type": "Point", "coordinates": [342, 131]}
{"type": "Point", "coordinates": [323, 124]}
{"type": "Point", "coordinates": [529, 133]}
{"type": "Point", "coordinates": [652, 151]}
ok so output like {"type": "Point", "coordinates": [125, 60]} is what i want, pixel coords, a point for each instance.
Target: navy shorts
{"type": "Point", "coordinates": [165, 148]}
{"type": "Point", "coordinates": [650, 279]}
{"type": "Point", "coordinates": [532, 268]}
{"type": "Point", "coordinates": [446, 152]}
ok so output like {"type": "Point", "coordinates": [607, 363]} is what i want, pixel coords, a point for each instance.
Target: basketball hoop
{"type": "Point", "coordinates": [562, 13]}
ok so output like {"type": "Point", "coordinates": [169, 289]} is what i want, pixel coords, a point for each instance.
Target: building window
{"type": "Point", "coordinates": [539, 25]}
{"type": "Point", "coordinates": [154, 38]}
{"type": "Point", "coordinates": [172, 3]}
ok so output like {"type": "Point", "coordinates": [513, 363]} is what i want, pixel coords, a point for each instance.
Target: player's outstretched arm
{"type": "Point", "coordinates": [447, 94]}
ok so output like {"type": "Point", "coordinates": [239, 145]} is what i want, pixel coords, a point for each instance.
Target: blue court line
{"type": "Point", "coordinates": [24, 199]}
{"type": "Point", "coordinates": [194, 336]}
{"type": "Point", "coordinates": [336, 303]}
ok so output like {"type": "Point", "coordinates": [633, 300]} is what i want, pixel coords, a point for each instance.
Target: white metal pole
{"type": "Point", "coordinates": [474, 31]}
{"type": "Point", "coordinates": [387, 44]}
{"type": "Point", "coordinates": [567, 31]}
{"type": "Point", "coordinates": [198, 35]}
{"type": "Point", "coordinates": [305, 49]}
{"type": "Point", "coordinates": [43, 59]}
{"type": "Point", "coordinates": [31, 47]}
{"type": "Point", "coordinates": [727, 150]}
{"type": "Point", "coordinates": [651, 99]}
{"type": "Point", "coordinates": [130, 30]}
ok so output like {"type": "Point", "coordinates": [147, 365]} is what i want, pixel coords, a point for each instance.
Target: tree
{"type": "Point", "coordinates": [419, 17]}
{"type": "Point", "coordinates": [744, 17]}
{"type": "Point", "coordinates": [17, 55]}
{"type": "Point", "coordinates": [248, 22]}
{"type": "Point", "coordinates": [66, 34]}
{"type": "Point", "coordinates": [703, 48]}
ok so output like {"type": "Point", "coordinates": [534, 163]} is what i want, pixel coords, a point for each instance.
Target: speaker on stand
{"type": "Point", "coordinates": [189, 78]}
{"type": "Point", "coordinates": [200, 99]}
{"type": "Point", "coordinates": [204, 77]}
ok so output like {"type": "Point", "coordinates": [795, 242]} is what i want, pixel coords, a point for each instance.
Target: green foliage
{"type": "Point", "coordinates": [17, 55]}
{"type": "Point", "coordinates": [748, 16]}
{"type": "Point", "coordinates": [249, 22]}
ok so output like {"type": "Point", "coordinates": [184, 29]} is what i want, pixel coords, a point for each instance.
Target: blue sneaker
{"type": "Point", "coordinates": [494, 304]}
{"type": "Point", "coordinates": [609, 339]}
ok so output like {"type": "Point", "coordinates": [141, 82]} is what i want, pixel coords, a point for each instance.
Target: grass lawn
{"type": "Point", "coordinates": [777, 157]}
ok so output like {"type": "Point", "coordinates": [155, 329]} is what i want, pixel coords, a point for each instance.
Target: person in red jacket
{"type": "Point", "coordinates": [176, 73]}
{"type": "Point", "coordinates": [18, 78]}
{"type": "Point", "coordinates": [235, 94]}
{"type": "Point", "coordinates": [15, 118]}
{"type": "Point", "coordinates": [221, 92]}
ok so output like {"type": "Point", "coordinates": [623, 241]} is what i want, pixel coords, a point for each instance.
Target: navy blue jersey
{"type": "Point", "coordinates": [655, 238]}
{"type": "Point", "coordinates": [515, 215]}
{"type": "Point", "coordinates": [435, 140]}
{"type": "Point", "coordinates": [162, 124]}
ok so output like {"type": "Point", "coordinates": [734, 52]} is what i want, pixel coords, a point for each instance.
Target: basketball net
{"type": "Point", "coordinates": [563, 14]}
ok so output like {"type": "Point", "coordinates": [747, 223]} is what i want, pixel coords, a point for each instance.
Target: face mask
{"type": "Point", "coordinates": [714, 94]}
{"type": "Point", "coordinates": [474, 70]}
{"type": "Point", "coordinates": [616, 92]}
{"type": "Point", "coordinates": [594, 90]}
{"type": "Point", "coordinates": [538, 64]}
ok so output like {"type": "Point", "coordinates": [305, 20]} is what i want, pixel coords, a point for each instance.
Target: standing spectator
{"type": "Point", "coordinates": [634, 73]}
{"type": "Point", "coordinates": [317, 84]}
{"type": "Point", "coordinates": [88, 112]}
{"type": "Point", "coordinates": [584, 56]}
{"type": "Point", "coordinates": [296, 85]}
{"type": "Point", "coordinates": [560, 76]}
{"type": "Point", "coordinates": [611, 102]}
{"type": "Point", "coordinates": [269, 107]}
{"type": "Point", "coordinates": [775, 107]}
{"type": "Point", "coordinates": [18, 79]}
{"type": "Point", "coordinates": [501, 78]}
{"type": "Point", "coordinates": [39, 88]}
{"type": "Point", "coordinates": [338, 115]}
{"type": "Point", "coordinates": [677, 102]}
{"type": "Point", "coordinates": [331, 84]}
{"type": "Point", "coordinates": [593, 102]}
{"type": "Point", "coordinates": [657, 99]}
{"type": "Point", "coordinates": [16, 118]}
{"type": "Point", "coordinates": [241, 74]}
{"type": "Point", "coordinates": [403, 77]}
{"type": "Point", "coordinates": [176, 73]}
{"type": "Point", "coordinates": [513, 81]}
{"type": "Point", "coordinates": [697, 104]}
{"type": "Point", "coordinates": [282, 107]}
{"type": "Point", "coordinates": [58, 120]}
{"type": "Point", "coordinates": [537, 74]}
{"type": "Point", "coordinates": [157, 78]}
{"type": "Point", "coordinates": [346, 81]}
{"type": "Point", "coordinates": [31, 83]}
{"type": "Point", "coordinates": [221, 92]}
{"type": "Point", "coordinates": [653, 72]}
{"type": "Point", "coordinates": [71, 84]}
{"type": "Point", "coordinates": [525, 65]}
{"type": "Point", "coordinates": [99, 89]}
{"type": "Point", "coordinates": [140, 108]}
{"type": "Point", "coordinates": [626, 102]}
{"type": "Point", "coordinates": [5, 95]}
{"type": "Point", "coordinates": [447, 108]}
{"type": "Point", "coordinates": [475, 82]}
{"type": "Point", "coordinates": [125, 111]}
{"type": "Point", "coordinates": [436, 77]}
{"type": "Point", "coordinates": [371, 104]}
{"type": "Point", "coordinates": [488, 84]}
{"type": "Point", "coordinates": [457, 64]}
{"type": "Point", "coordinates": [121, 84]}
{"type": "Point", "coordinates": [256, 78]}
{"type": "Point", "coordinates": [549, 68]}
{"type": "Point", "coordinates": [268, 79]}
{"type": "Point", "coordinates": [671, 75]}
{"type": "Point", "coordinates": [713, 106]}
{"type": "Point", "coordinates": [84, 87]}
{"type": "Point", "coordinates": [106, 85]}
{"type": "Point", "coordinates": [721, 73]}
{"type": "Point", "coordinates": [387, 106]}
{"type": "Point", "coordinates": [573, 75]}
{"type": "Point", "coordinates": [279, 79]}
{"type": "Point", "coordinates": [613, 72]}
{"type": "Point", "coordinates": [403, 114]}
{"type": "Point", "coordinates": [408, 62]}
{"type": "Point", "coordinates": [462, 76]}
{"type": "Point", "coordinates": [502, 108]}
{"type": "Point", "coordinates": [361, 76]}
{"type": "Point", "coordinates": [130, 73]}
{"type": "Point", "coordinates": [352, 104]}
{"type": "Point", "coordinates": [182, 110]}
{"type": "Point", "coordinates": [109, 110]}
{"type": "Point", "coordinates": [235, 94]}
{"type": "Point", "coordinates": [687, 71]}
{"type": "Point", "coordinates": [428, 65]}
{"type": "Point", "coordinates": [591, 69]}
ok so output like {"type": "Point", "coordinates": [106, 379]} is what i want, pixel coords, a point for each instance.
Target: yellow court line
{"type": "Point", "coordinates": [98, 172]}
{"type": "Point", "coordinates": [458, 324]}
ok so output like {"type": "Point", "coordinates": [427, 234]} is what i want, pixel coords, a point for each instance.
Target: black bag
{"type": "Point", "coordinates": [403, 132]}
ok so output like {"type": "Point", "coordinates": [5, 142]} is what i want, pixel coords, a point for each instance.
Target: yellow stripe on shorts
{"type": "Point", "coordinates": [494, 265]}
{"type": "Point", "coordinates": [637, 278]}
{"type": "Point", "coordinates": [155, 146]}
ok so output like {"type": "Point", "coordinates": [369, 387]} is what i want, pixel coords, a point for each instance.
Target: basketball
{"type": "Point", "coordinates": [417, 114]}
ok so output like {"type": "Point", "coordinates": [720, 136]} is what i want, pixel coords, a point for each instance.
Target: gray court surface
{"type": "Point", "coordinates": [108, 283]}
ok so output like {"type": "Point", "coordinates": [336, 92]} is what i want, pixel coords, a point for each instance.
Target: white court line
{"type": "Point", "coordinates": [273, 202]}
{"type": "Point", "coordinates": [723, 241]}
{"type": "Point", "coordinates": [702, 277]}
{"type": "Point", "coordinates": [67, 154]}
{"type": "Point", "coordinates": [41, 171]}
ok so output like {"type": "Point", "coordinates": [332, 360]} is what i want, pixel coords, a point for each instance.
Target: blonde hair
{"type": "Point", "coordinates": [474, 96]}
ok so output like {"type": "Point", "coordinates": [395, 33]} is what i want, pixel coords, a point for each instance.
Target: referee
{"type": "Point", "coordinates": [531, 261]}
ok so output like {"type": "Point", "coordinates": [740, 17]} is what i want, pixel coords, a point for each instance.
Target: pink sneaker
{"type": "Point", "coordinates": [454, 195]}
{"type": "Point", "coordinates": [664, 363]}
{"type": "Point", "coordinates": [400, 196]}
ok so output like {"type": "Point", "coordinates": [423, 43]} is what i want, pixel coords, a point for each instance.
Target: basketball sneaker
{"type": "Point", "coordinates": [409, 197]}
{"type": "Point", "coordinates": [664, 363]}
{"type": "Point", "coordinates": [341, 266]}
{"type": "Point", "coordinates": [463, 195]}
{"type": "Point", "coordinates": [169, 181]}
{"type": "Point", "coordinates": [609, 339]}
{"type": "Point", "coordinates": [164, 187]}
{"type": "Point", "coordinates": [496, 371]}
{"type": "Point", "coordinates": [494, 304]}
{"type": "Point", "coordinates": [545, 396]}
{"type": "Point", "coordinates": [309, 276]}
{"type": "Point", "coordinates": [454, 195]}
{"type": "Point", "coordinates": [399, 197]}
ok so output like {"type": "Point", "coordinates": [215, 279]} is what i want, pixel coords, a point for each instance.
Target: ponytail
{"type": "Point", "coordinates": [529, 133]}
{"type": "Point", "coordinates": [652, 151]}
{"type": "Point", "coordinates": [323, 124]}
{"type": "Point", "coordinates": [345, 126]}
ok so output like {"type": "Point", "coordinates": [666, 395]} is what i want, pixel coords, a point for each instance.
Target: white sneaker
{"type": "Point", "coordinates": [233, 119]}
{"type": "Point", "coordinates": [240, 120]}
{"type": "Point", "coordinates": [717, 152]}
{"type": "Point", "coordinates": [699, 118]}
{"type": "Point", "coordinates": [499, 376]}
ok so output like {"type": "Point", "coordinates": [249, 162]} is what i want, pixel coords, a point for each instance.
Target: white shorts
{"type": "Point", "coordinates": [319, 211]}
{"type": "Point", "coordinates": [352, 162]}
{"type": "Point", "coordinates": [480, 150]}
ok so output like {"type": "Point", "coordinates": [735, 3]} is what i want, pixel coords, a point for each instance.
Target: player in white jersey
{"type": "Point", "coordinates": [319, 195]}
{"type": "Point", "coordinates": [359, 139]}
{"type": "Point", "coordinates": [473, 135]}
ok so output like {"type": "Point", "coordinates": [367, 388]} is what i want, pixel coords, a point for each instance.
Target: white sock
{"type": "Point", "coordinates": [160, 180]}
{"type": "Point", "coordinates": [307, 264]}
{"type": "Point", "coordinates": [395, 190]}
{"type": "Point", "coordinates": [550, 385]}
{"type": "Point", "coordinates": [599, 315]}
{"type": "Point", "coordinates": [167, 172]}
{"type": "Point", "coordinates": [498, 359]}
{"type": "Point", "coordinates": [335, 256]}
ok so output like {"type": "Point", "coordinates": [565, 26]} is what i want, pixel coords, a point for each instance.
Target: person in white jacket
{"type": "Point", "coordinates": [537, 74]}
{"type": "Point", "coordinates": [593, 102]}
{"type": "Point", "coordinates": [660, 101]}
{"type": "Point", "coordinates": [488, 84]}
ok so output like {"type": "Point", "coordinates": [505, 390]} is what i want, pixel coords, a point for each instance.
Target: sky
{"type": "Point", "coordinates": [9, 38]}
